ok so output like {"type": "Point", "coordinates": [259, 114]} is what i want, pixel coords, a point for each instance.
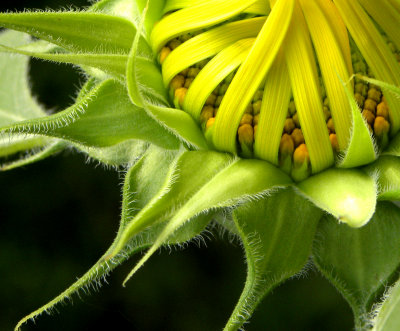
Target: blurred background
{"type": "Point", "coordinates": [58, 216]}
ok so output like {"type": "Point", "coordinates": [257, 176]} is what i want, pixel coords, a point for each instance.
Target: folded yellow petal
{"type": "Point", "coordinates": [333, 66]}
{"type": "Point", "coordinates": [274, 107]}
{"type": "Point", "coordinates": [193, 18]}
{"type": "Point", "coordinates": [250, 75]}
{"type": "Point", "coordinates": [386, 16]}
{"type": "Point", "coordinates": [208, 44]}
{"type": "Point", "coordinates": [260, 7]}
{"type": "Point", "coordinates": [304, 79]}
{"type": "Point", "coordinates": [213, 73]}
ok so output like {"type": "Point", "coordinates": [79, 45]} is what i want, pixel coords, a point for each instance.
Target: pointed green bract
{"type": "Point", "coordinates": [145, 174]}
{"type": "Point", "coordinates": [394, 147]}
{"type": "Point", "coordinates": [360, 262]}
{"type": "Point", "coordinates": [180, 124]}
{"type": "Point", "coordinates": [113, 64]}
{"type": "Point", "coordinates": [387, 315]}
{"type": "Point", "coordinates": [76, 31]}
{"type": "Point", "coordinates": [277, 235]}
{"type": "Point", "coordinates": [105, 117]}
{"type": "Point", "coordinates": [349, 195]}
{"type": "Point", "coordinates": [37, 154]}
{"type": "Point", "coordinates": [123, 8]}
{"type": "Point", "coordinates": [123, 154]}
{"type": "Point", "coordinates": [145, 88]}
{"type": "Point", "coordinates": [361, 149]}
{"type": "Point", "coordinates": [387, 171]}
{"type": "Point", "coordinates": [218, 185]}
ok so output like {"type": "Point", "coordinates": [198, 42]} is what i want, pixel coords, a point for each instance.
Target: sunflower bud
{"type": "Point", "coordinates": [237, 78]}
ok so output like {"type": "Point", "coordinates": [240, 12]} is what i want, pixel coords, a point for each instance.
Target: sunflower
{"type": "Point", "coordinates": [276, 120]}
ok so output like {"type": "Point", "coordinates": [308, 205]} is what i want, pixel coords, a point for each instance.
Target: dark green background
{"type": "Point", "coordinates": [57, 217]}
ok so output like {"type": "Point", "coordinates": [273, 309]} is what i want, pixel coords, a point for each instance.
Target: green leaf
{"type": "Point", "coordinates": [360, 262]}
{"type": "Point", "coordinates": [76, 31]}
{"type": "Point", "coordinates": [347, 194]}
{"type": "Point", "coordinates": [387, 315]}
{"type": "Point", "coordinates": [142, 181]}
{"type": "Point", "coordinates": [192, 189]}
{"type": "Point", "coordinates": [277, 234]}
{"type": "Point", "coordinates": [387, 171]}
{"type": "Point", "coordinates": [104, 117]}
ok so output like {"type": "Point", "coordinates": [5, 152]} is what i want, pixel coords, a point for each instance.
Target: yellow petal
{"type": "Point", "coordinates": [274, 107]}
{"type": "Point", "coordinates": [304, 79]}
{"type": "Point", "coordinates": [395, 4]}
{"type": "Point", "coordinates": [260, 7]}
{"type": "Point", "coordinates": [335, 20]}
{"type": "Point", "coordinates": [213, 73]}
{"type": "Point", "coordinates": [332, 64]}
{"type": "Point", "coordinates": [386, 16]}
{"type": "Point", "coordinates": [250, 75]}
{"type": "Point", "coordinates": [195, 17]}
{"type": "Point", "coordinates": [208, 44]}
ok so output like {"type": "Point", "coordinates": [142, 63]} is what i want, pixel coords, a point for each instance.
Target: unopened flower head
{"type": "Point", "coordinates": [289, 85]}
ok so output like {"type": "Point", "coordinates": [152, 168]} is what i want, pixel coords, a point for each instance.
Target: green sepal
{"type": "Point", "coordinates": [347, 194]}
{"type": "Point", "coordinates": [393, 148]}
{"type": "Point", "coordinates": [146, 89]}
{"type": "Point", "coordinates": [387, 172]}
{"type": "Point", "coordinates": [77, 31]}
{"type": "Point", "coordinates": [37, 153]}
{"type": "Point", "coordinates": [112, 64]}
{"type": "Point", "coordinates": [360, 262]}
{"type": "Point", "coordinates": [225, 181]}
{"type": "Point", "coordinates": [154, 12]}
{"type": "Point", "coordinates": [132, 10]}
{"type": "Point", "coordinates": [120, 155]}
{"type": "Point", "coordinates": [142, 181]}
{"type": "Point", "coordinates": [104, 117]}
{"type": "Point", "coordinates": [277, 235]}
{"type": "Point", "coordinates": [386, 316]}
{"type": "Point", "coordinates": [122, 8]}
{"type": "Point", "coordinates": [361, 149]}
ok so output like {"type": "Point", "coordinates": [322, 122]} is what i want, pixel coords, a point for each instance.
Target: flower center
{"type": "Point", "coordinates": [271, 109]}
